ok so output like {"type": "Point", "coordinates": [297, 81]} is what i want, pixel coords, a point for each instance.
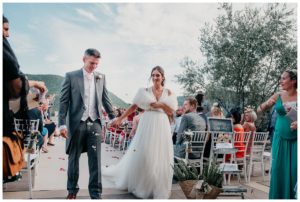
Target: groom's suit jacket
{"type": "Point", "coordinates": [71, 107]}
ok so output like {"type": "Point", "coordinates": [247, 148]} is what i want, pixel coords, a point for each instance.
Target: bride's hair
{"type": "Point", "coordinates": [161, 71]}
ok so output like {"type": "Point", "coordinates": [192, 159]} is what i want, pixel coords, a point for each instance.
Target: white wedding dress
{"type": "Point", "coordinates": [146, 168]}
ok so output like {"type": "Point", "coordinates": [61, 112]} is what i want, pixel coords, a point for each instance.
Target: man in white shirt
{"type": "Point", "coordinates": [82, 95]}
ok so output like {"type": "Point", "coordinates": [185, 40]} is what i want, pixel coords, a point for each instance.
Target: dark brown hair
{"type": "Point", "coordinates": [92, 52]}
{"type": "Point", "coordinates": [293, 75]}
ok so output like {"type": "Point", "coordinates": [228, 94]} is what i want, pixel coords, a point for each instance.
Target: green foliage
{"type": "Point", "coordinates": [184, 172]}
{"type": "Point", "coordinates": [192, 79]}
{"type": "Point", "coordinates": [180, 100]}
{"type": "Point", "coordinates": [212, 175]}
{"type": "Point", "coordinates": [246, 51]}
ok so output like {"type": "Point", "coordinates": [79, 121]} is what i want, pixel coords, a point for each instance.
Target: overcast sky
{"type": "Point", "coordinates": [50, 38]}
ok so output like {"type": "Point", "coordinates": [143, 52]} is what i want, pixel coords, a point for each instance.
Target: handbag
{"type": "Point", "coordinates": [13, 154]}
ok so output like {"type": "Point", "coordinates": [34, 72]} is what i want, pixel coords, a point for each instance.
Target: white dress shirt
{"type": "Point", "coordinates": [89, 96]}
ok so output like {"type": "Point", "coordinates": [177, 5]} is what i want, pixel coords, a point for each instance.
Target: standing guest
{"type": "Point", "coordinates": [135, 123]}
{"type": "Point", "coordinates": [82, 95]}
{"type": "Point", "coordinates": [202, 102]}
{"type": "Point", "coordinates": [204, 116]}
{"type": "Point", "coordinates": [284, 146]}
{"type": "Point", "coordinates": [14, 81]}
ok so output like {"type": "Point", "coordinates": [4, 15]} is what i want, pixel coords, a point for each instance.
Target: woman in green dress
{"type": "Point", "coordinates": [284, 146]}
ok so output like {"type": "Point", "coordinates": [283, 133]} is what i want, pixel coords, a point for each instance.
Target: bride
{"type": "Point", "coordinates": [146, 168]}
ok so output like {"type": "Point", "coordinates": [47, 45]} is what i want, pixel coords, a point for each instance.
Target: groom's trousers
{"type": "Point", "coordinates": [87, 137]}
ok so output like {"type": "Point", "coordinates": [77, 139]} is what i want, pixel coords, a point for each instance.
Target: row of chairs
{"type": "Point", "coordinates": [119, 137]}
{"type": "Point", "coordinates": [250, 146]}
{"type": "Point", "coordinates": [32, 153]}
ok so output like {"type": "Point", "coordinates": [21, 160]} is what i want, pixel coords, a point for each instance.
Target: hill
{"type": "Point", "coordinates": [54, 82]}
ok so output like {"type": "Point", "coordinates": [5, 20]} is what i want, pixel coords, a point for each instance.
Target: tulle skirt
{"type": "Point", "coordinates": [146, 168]}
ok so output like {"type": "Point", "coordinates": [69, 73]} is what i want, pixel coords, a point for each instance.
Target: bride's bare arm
{"type": "Point", "coordinates": [168, 110]}
{"type": "Point", "coordinates": [118, 121]}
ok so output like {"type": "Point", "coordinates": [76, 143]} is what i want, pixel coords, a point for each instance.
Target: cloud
{"type": "Point", "coordinates": [52, 58]}
{"type": "Point", "coordinates": [106, 9]}
{"type": "Point", "coordinates": [132, 39]}
{"type": "Point", "coordinates": [23, 43]}
{"type": "Point", "coordinates": [86, 14]}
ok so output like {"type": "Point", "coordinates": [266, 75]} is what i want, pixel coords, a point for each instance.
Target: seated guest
{"type": "Point", "coordinates": [49, 124]}
{"type": "Point", "coordinates": [216, 111]}
{"type": "Point", "coordinates": [135, 124]}
{"type": "Point", "coordinates": [178, 117]}
{"type": "Point", "coordinates": [189, 121]}
{"type": "Point", "coordinates": [248, 125]}
{"type": "Point", "coordinates": [118, 112]}
{"type": "Point", "coordinates": [236, 116]}
{"type": "Point", "coordinates": [33, 113]}
{"type": "Point", "coordinates": [131, 116]}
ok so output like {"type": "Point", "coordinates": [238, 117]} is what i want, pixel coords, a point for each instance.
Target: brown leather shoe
{"type": "Point", "coordinates": [71, 196]}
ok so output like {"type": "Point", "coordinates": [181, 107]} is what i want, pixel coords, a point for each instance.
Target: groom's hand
{"type": "Point", "coordinates": [64, 133]}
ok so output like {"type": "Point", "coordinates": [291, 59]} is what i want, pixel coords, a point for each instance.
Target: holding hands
{"type": "Point", "coordinates": [115, 123]}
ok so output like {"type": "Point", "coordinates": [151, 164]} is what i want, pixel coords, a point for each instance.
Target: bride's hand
{"type": "Point", "coordinates": [155, 105]}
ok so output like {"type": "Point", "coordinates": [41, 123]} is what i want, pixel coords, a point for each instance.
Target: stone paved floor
{"type": "Point", "coordinates": [50, 181]}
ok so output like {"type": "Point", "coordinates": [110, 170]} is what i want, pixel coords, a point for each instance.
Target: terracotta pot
{"type": "Point", "coordinates": [187, 187]}
{"type": "Point", "coordinates": [200, 195]}
{"type": "Point", "coordinates": [213, 194]}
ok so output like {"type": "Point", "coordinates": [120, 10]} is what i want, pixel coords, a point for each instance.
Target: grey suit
{"type": "Point", "coordinates": [84, 136]}
{"type": "Point", "coordinates": [191, 121]}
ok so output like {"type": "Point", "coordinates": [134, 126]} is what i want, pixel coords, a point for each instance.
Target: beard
{"type": "Point", "coordinates": [187, 111]}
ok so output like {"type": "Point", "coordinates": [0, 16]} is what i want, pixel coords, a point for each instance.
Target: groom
{"type": "Point", "coordinates": [82, 95]}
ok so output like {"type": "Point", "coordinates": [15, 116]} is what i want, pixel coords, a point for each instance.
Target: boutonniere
{"type": "Point", "coordinates": [98, 77]}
